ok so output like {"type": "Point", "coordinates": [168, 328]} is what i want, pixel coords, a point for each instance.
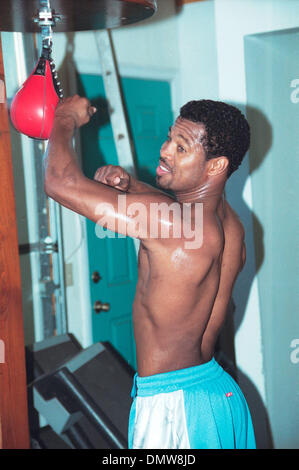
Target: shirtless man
{"type": "Point", "coordinates": [182, 397]}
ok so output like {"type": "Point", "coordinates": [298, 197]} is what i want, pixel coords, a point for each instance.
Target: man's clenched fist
{"type": "Point", "coordinates": [77, 108]}
{"type": "Point", "coordinates": [114, 176]}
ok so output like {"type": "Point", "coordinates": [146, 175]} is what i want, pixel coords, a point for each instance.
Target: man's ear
{"type": "Point", "coordinates": [217, 166]}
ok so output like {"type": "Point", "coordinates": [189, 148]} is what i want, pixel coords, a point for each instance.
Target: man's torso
{"type": "Point", "coordinates": [179, 309]}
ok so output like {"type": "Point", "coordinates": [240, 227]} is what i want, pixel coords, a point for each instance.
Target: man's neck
{"type": "Point", "coordinates": [210, 193]}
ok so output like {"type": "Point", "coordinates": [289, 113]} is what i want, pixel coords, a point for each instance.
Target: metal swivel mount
{"type": "Point", "coordinates": [46, 18]}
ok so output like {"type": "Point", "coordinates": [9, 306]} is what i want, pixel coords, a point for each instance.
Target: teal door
{"type": "Point", "coordinates": [114, 259]}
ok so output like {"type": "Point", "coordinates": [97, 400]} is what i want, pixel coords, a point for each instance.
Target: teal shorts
{"type": "Point", "coordinates": [199, 407]}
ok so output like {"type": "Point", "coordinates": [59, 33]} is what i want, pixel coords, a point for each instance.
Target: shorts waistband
{"type": "Point", "coordinates": [176, 379]}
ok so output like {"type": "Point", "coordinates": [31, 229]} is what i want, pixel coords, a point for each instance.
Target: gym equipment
{"type": "Point", "coordinates": [75, 15]}
{"type": "Point", "coordinates": [46, 355]}
{"type": "Point", "coordinates": [33, 107]}
{"type": "Point", "coordinates": [84, 394]}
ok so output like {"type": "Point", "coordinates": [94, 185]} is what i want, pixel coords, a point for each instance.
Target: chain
{"type": "Point", "coordinates": [46, 20]}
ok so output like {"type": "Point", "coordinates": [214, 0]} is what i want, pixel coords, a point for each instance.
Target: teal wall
{"type": "Point", "coordinates": [271, 67]}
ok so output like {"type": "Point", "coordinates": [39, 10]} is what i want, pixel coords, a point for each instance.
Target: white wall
{"type": "Point", "coordinates": [205, 34]}
{"type": "Point", "coordinates": [211, 47]}
{"type": "Point", "coordinates": [148, 44]}
{"type": "Point", "coordinates": [197, 52]}
{"type": "Point", "coordinates": [234, 20]}
{"type": "Point", "coordinates": [274, 190]}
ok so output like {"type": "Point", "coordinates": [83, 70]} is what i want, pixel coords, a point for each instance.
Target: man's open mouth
{"type": "Point", "coordinates": [162, 170]}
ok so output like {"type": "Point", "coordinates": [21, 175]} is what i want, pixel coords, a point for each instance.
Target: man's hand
{"type": "Point", "coordinates": [76, 108]}
{"type": "Point", "coordinates": [114, 176]}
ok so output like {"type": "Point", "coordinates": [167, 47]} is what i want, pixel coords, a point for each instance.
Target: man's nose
{"type": "Point", "coordinates": [167, 151]}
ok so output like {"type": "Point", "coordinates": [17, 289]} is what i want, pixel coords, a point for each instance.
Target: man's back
{"type": "Point", "coordinates": [182, 294]}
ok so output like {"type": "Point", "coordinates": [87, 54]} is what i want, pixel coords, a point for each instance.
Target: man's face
{"type": "Point", "coordinates": [182, 157]}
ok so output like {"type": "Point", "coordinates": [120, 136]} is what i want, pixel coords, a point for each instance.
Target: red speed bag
{"type": "Point", "coordinates": [33, 107]}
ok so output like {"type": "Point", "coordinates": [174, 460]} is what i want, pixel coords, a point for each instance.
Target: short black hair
{"type": "Point", "coordinates": [227, 130]}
